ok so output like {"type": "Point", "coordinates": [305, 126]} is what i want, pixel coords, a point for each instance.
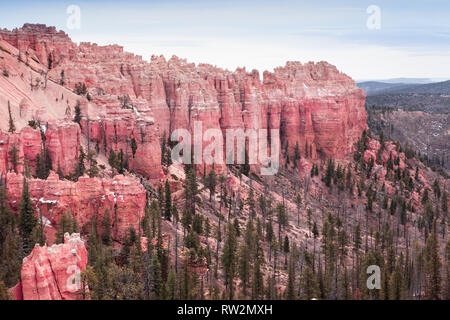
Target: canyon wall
{"type": "Point", "coordinates": [130, 104]}
{"type": "Point", "coordinates": [310, 103]}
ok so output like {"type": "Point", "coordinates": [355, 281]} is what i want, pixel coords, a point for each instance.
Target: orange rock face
{"type": "Point", "coordinates": [28, 144]}
{"type": "Point", "coordinates": [310, 103]}
{"type": "Point", "coordinates": [62, 140]}
{"type": "Point", "coordinates": [123, 196]}
{"type": "Point", "coordinates": [63, 143]}
{"type": "Point", "coordinates": [132, 103]}
{"type": "Point", "coordinates": [43, 40]}
{"type": "Point", "coordinates": [53, 273]}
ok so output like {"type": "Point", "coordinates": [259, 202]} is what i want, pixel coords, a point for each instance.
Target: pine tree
{"type": "Point", "coordinates": [106, 229]}
{"type": "Point", "coordinates": [282, 220]}
{"type": "Point", "coordinates": [329, 250]}
{"type": "Point", "coordinates": [432, 267]}
{"type": "Point", "coordinates": [192, 241]}
{"type": "Point", "coordinates": [258, 280]}
{"type": "Point", "coordinates": [306, 149]}
{"type": "Point", "coordinates": [436, 189]}
{"type": "Point", "coordinates": [269, 231]}
{"type": "Point", "coordinates": [155, 277]}
{"type": "Point", "coordinates": [244, 267]}
{"type": "Point", "coordinates": [184, 281]}
{"type": "Point", "coordinates": [396, 284]}
{"type": "Point", "coordinates": [245, 167]}
{"type": "Point", "coordinates": [229, 260]}
{"type": "Point", "coordinates": [197, 224]}
{"type": "Point", "coordinates": [298, 202]}
{"type": "Point", "coordinates": [80, 88]}
{"type": "Point", "coordinates": [186, 220]}
{"type": "Point", "coordinates": [286, 248]}
{"type": "Point", "coordinates": [94, 250]}
{"type": "Point", "coordinates": [43, 163]}
{"type": "Point", "coordinates": [77, 117]}
{"type": "Point", "coordinates": [163, 148]}
{"type": "Point", "coordinates": [309, 286]}
{"type": "Point", "coordinates": [171, 285]}
{"type": "Point", "coordinates": [134, 146]}
{"type": "Point", "coordinates": [14, 158]}
{"type": "Point", "coordinates": [345, 286]}
{"type": "Point", "coordinates": [12, 127]}
{"type": "Point", "coordinates": [190, 187]}
{"type": "Point", "coordinates": [168, 157]}
{"type": "Point", "coordinates": [93, 170]}
{"type": "Point", "coordinates": [80, 168]}
{"type": "Point", "coordinates": [59, 172]}
{"type": "Point", "coordinates": [122, 162]}
{"type": "Point", "coordinates": [27, 219]}
{"type": "Point", "coordinates": [315, 232]}
{"type": "Point", "coordinates": [270, 293]}
{"type": "Point", "coordinates": [65, 224]}
{"type": "Point", "coordinates": [211, 182]}
{"type": "Point", "coordinates": [425, 196]}
{"type": "Point", "coordinates": [329, 173]}
{"type": "Point", "coordinates": [168, 202]}
{"type": "Point", "coordinates": [7, 221]}
{"type": "Point", "coordinates": [290, 288]}
{"type": "Point", "coordinates": [10, 244]}
{"type": "Point", "coordinates": [112, 159]}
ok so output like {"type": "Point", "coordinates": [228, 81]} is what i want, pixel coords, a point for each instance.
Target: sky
{"type": "Point", "coordinates": [373, 39]}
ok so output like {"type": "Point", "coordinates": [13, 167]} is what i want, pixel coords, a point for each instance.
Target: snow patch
{"type": "Point", "coordinates": [42, 200]}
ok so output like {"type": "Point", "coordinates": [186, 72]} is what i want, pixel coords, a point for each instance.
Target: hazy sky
{"type": "Point", "coordinates": [413, 41]}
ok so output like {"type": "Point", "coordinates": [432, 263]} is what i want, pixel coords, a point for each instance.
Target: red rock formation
{"type": "Point", "coordinates": [389, 151]}
{"type": "Point", "coordinates": [116, 131]}
{"type": "Point", "coordinates": [53, 273]}
{"type": "Point", "coordinates": [311, 103]}
{"type": "Point", "coordinates": [38, 42]}
{"type": "Point", "coordinates": [62, 140]}
{"type": "Point", "coordinates": [63, 143]}
{"type": "Point", "coordinates": [28, 144]}
{"type": "Point", "coordinates": [123, 196]}
{"type": "Point", "coordinates": [134, 101]}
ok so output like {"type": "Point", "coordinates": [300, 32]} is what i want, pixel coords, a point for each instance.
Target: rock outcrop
{"type": "Point", "coordinates": [27, 144]}
{"type": "Point", "coordinates": [63, 140]}
{"type": "Point", "coordinates": [53, 273]}
{"type": "Point", "coordinates": [130, 104]}
{"type": "Point", "coordinates": [312, 104]}
{"type": "Point", "coordinates": [123, 196]}
{"type": "Point", "coordinates": [39, 42]}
